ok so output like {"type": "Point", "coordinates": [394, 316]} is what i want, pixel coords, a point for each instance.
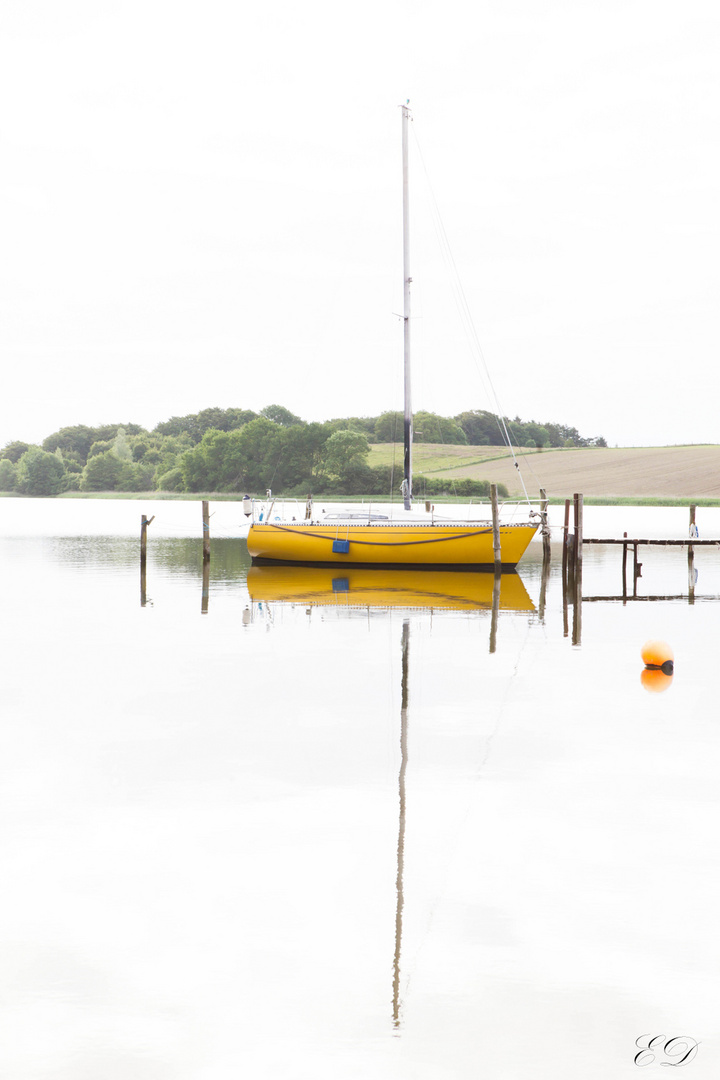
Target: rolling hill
{"type": "Point", "coordinates": [682, 472]}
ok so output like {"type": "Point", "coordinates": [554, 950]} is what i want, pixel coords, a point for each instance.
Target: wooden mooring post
{"type": "Point", "coordinates": [637, 568]}
{"type": "Point", "coordinates": [497, 551]}
{"type": "Point", "coordinates": [544, 527]}
{"type": "Point", "coordinates": [566, 539]}
{"type": "Point", "coordinates": [691, 557]}
{"type": "Point", "coordinates": [577, 569]}
{"type": "Point", "coordinates": [565, 568]}
{"type": "Point", "coordinates": [206, 530]}
{"type": "Point", "coordinates": [578, 535]}
{"type": "Point", "coordinates": [143, 557]}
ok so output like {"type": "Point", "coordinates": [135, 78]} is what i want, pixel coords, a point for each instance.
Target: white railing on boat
{"type": "Point", "coordinates": [296, 510]}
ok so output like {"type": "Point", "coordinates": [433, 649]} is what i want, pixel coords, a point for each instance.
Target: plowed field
{"type": "Point", "coordinates": [682, 472]}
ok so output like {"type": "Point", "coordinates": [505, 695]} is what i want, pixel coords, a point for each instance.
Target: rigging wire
{"type": "Point", "coordinates": [465, 313]}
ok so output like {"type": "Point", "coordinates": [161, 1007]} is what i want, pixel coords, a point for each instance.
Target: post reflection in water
{"type": "Point", "coordinates": [497, 581]}
{"type": "Point", "coordinates": [205, 587]}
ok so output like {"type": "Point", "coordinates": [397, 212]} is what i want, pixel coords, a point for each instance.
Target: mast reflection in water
{"type": "Point", "coordinates": [401, 827]}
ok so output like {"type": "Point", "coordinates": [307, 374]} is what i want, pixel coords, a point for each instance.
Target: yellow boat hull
{"type": "Point", "coordinates": [408, 545]}
{"type": "Point", "coordinates": [386, 588]}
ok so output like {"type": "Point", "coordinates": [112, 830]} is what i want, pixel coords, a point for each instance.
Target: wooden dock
{"type": "Point", "coordinates": [574, 541]}
{"type": "Point", "coordinates": [632, 542]}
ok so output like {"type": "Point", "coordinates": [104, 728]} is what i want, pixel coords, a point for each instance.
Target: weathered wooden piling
{"type": "Point", "coordinates": [497, 562]}
{"type": "Point", "coordinates": [206, 530]}
{"type": "Point", "coordinates": [691, 556]}
{"type": "Point", "coordinates": [577, 568]}
{"type": "Point", "coordinates": [578, 537]}
{"type": "Point", "coordinates": [544, 527]}
{"type": "Point", "coordinates": [144, 522]}
{"type": "Point", "coordinates": [497, 552]}
{"type": "Point", "coordinates": [565, 538]}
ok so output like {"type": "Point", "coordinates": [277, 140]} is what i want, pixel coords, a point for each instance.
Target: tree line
{"type": "Point", "coordinates": [238, 450]}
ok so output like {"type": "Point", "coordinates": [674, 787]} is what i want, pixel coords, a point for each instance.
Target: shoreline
{"type": "Point", "coordinates": [440, 500]}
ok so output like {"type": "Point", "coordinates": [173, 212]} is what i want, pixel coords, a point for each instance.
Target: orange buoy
{"type": "Point", "coordinates": [655, 680]}
{"type": "Point", "coordinates": [658, 654]}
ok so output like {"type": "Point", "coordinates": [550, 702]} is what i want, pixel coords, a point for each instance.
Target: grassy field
{"type": "Point", "coordinates": [650, 472]}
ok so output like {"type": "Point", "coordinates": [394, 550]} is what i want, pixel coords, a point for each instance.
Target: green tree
{"type": "Point", "coordinates": [215, 464]}
{"type": "Point", "coordinates": [109, 431]}
{"type": "Point", "coordinates": [13, 451]}
{"type": "Point", "coordinates": [355, 423]}
{"type": "Point", "coordinates": [8, 474]}
{"type": "Point", "coordinates": [259, 455]}
{"type": "Point", "coordinates": [301, 449]}
{"type": "Point", "coordinates": [121, 447]}
{"type": "Point", "coordinates": [431, 428]}
{"type": "Point", "coordinates": [280, 415]}
{"type": "Point", "coordinates": [136, 476]}
{"type": "Point", "coordinates": [260, 447]}
{"type": "Point", "coordinates": [40, 474]}
{"type": "Point", "coordinates": [481, 428]}
{"type": "Point", "coordinates": [102, 472]}
{"type": "Point", "coordinates": [102, 446]}
{"type": "Point", "coordinates": [427, 428]}
{"type": "Point", "coordinates": [389, 427]}
{"type": "Point", "coordinates": [562, 435]}
{"type": "Point", "coordinates": [172, 480]}
{"type": "Point", "coordinates": [536, 434]}
{"type": "Point", "coordinates": [193, 466]}
{"type": "Point", "coordinates": [195, 425]}
{"type": "Point", "coordinates": [74, 441]}
{"type": "Point", "coordinates": [344, 449]}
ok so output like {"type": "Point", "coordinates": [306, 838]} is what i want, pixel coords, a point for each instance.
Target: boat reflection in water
{"type": "Point", "coordinates": [385, 590]}
{"type": "Point", "coordinates": [378, 591]}
{"type": "Point", "coordinates": [366, 588]}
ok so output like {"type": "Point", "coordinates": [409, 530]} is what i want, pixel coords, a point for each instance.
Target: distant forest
{"type": "Point", "coordinates": [238, 450]}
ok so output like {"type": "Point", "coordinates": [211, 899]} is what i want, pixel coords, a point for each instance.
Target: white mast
{"type": "Point", "coordinates": [407, 426]}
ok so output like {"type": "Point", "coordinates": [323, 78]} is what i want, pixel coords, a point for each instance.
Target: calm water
{"type": "Point", "coordinates": [349, 827]}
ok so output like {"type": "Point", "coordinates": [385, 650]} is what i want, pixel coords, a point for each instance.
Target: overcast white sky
{"type": "Point", "coordinates": [201, 205]}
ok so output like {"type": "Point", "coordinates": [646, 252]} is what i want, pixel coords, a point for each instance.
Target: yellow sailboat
{"type": "Point", "coordinates": [366, 539]}
{"type": "Point", "coordinates": [344, 541]}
